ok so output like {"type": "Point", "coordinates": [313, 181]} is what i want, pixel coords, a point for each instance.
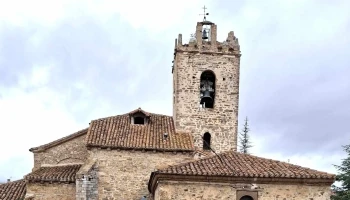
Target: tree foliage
{"type": "Point", "coordinates": [343, 192]}
{"type": "Point", "coordinates": [244, 139]}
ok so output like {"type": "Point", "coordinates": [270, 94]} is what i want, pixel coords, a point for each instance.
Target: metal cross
{"type": "Point", "coordinates": [204, 14]}
{"type": "Point", "coordinates": [204, 9]}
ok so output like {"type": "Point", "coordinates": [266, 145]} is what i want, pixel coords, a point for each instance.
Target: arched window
{"type": "Point", "coordinates": [246, 198]}
{"type": "Point", "coordinates": [207, 89]}
{"type": "Point", "coordinates": [139, 120]}
{"type": "Point", "coordinates": [206, 141]}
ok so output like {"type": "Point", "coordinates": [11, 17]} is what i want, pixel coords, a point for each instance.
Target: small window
{"type": "Point", "coordinates": [246, 198]}
{"type": "Point", "coordinates": [247, 195]}
{"type": "Point", "coordinates": [139, 120]}
{"type": "Point", "coordinates": [206, 141]}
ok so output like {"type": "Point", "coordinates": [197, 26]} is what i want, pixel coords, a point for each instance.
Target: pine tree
{"type": "Point", "coordinates": [244, 138]}
{"type": "Point", "coordinates": [343, 192]}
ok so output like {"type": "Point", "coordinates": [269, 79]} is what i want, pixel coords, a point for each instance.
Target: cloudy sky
{"type": "Point", "coordinates": [64, 63]}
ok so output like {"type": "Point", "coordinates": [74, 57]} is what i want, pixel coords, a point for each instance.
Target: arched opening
{"type": "Point", "coordinates": [246, 198]}
{"type": "Point", "coordinates": [206, 141]}
{"type": "Point", "coordinates": [139, 120]}
{"type": "Point", "coordinates": [207, 89]}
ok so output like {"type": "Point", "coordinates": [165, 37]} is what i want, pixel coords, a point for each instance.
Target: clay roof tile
{"type": "Point", "coordinates": [60, 173]}
{"type": "Point", "coordinates": [244, 165]}
{"type": "Point", "coordinates": [13, 190]}
{"type": "Point", "coordinates": [118, 132]}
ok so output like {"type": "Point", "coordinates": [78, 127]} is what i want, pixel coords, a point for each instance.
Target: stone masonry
{"type": "Point", "coordinates": [54, 191]}
{"type": "Point", "coordinates": [87, 182]}
{"type": "Point", "coordinates": [172, 190]}
{"type": "Point", "coordinates": [125, 174]}
{"type": "Point", "coordinates": [73, 151]}
{"type": "Point", "coordinates": [190, 61]}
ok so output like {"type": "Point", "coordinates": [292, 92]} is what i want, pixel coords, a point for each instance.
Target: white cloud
{"type": "Point", "coordinates": [31, 118]}
{"type": "Point", "coordinates": [22, 13]}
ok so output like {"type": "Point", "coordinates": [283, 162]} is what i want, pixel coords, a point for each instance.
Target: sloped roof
{"type": "Point", "coordinates": [59, 141]}
{"type": "Point", "coordinates": [63, 173]}
{"type": "Point", "coordinates": [119, 132]}
{"type": "Point", "coordinates": [139, 110]}
{"type": "Point", "coordinates": [237, 165]}
{"type": "Point", "coordinates": [13, 190]}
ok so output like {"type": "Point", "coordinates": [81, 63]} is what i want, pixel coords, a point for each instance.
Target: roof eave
{"type": "Point", "coordinates": [44, 147]}
{"type": "Point", "coordinates": [139, 148]}
{"type": "Point", "coordinates": [157, 176]}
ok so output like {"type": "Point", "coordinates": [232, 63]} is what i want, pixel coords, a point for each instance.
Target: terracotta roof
{"type": "Point", "coordinates": [63, 173]}
{"type": "Point", "coordinates": [59, 141]}
{"type": "Point", "coordinates": [234, 164]}
{"type": "Point", "coordinates": [13, 190]}
{"type": "Point", "coordinates": [118, 132]}
{"type": "Point", "coordinates": [244, 165]}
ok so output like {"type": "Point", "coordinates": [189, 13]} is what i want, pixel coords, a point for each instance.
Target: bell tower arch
{"type": "Point", "coordinates": [206, 87]}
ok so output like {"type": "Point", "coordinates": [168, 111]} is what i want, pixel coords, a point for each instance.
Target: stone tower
{"type": "Point", "coordinates": [206, 88]}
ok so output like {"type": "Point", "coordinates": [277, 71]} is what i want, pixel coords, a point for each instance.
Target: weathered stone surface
{"type": "Point", "coordinates": [87, 182]}
{"type": "Point", "coordinates": [70, 152]}
{"type": "Point", "coordinates": [125, 174]}
{"type": "Point", "coordinates": [190, 62]}
{"type": "Point", "coordinates": [190, 190]}
{"type": "Point", "coordinates": [193, 190]}
{"type": "Point", "coordinates": [51, 191]}
{"type": "Point", "coordinates": [295, 192]}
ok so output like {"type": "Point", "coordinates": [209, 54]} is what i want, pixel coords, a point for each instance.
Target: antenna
{"type": "Point", "coordinates": [204, 14]}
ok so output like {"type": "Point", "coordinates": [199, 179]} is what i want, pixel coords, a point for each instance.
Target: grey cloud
{"type": "Point", "coordinates": [106, 59]}
{"type": "Point", "coordinates": [294, 85]}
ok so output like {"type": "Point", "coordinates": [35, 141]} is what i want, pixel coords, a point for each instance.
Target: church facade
{"type": "Point", "coordinates": [190, 155]}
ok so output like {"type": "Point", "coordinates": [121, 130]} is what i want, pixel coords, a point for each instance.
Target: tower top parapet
{"type": "Point", "coordinates": [205, 40]}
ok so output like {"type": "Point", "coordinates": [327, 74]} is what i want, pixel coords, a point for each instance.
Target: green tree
{"type": "Point", "coordinates": [343, 192]}
{"type": "Point", "coordinates": [244, 139]}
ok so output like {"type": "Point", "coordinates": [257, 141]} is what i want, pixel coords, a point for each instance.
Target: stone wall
{"type": "Point", "coordinates": [193, 190]}
{"type": "Point", "coordinates": [125, 174]}
{"type": "Point", "coordinates": [72, 151]}
{"type": "Point", "coordinates": [220, 121]}
{"type": "Point", "coordinates": [190, 190]}
{"type": "Point", "coordinates": [55, 191]}
{"type": "Point", "coordinates": [87, 182]}
{"type": "Point", "coordinates": [190, 61]}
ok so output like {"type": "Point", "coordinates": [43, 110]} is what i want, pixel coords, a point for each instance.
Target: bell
{"type": "Point", "coordinates": [206, 98]}
{"type": "Point", "coordinates": [204, 35]}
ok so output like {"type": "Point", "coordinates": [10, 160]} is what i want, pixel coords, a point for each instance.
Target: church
{"type": "Point", "coordinates": [142, 155]}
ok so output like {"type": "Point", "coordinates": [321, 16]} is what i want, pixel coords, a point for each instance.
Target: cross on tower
{"type": "Point", "coordinates": [204, 9]}
{"type": "Point", "coordinates": [204, 14]}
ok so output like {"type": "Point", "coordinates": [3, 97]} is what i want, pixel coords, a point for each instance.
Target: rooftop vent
{"type": "Point", "coordinates": [165, 136]}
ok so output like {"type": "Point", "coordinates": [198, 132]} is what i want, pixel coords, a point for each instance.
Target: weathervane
{"type": "Point", "coordinates": [204, 14]}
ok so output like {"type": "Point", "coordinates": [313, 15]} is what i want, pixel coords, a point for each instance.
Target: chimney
{"type": "Point", "coordinates": [8, 180]}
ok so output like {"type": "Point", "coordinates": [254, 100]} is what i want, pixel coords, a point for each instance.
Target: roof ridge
{"type": "Point", "coordinates": [283, 162]}
{"type": "Point", "coordinates": [128, 113]}
{"type": "Point", "coordinates": [61, 165]}
{"type": "Point", "coordinates": [16, 181]}
{"type": "Point", "coordinates": [58, 141]}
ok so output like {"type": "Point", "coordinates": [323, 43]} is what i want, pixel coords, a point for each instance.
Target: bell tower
{"type": "Point", "coordinates": [206, 87]}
